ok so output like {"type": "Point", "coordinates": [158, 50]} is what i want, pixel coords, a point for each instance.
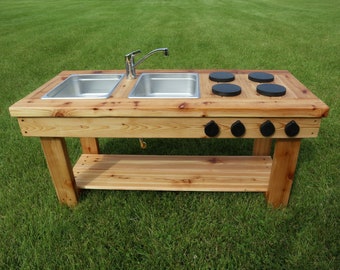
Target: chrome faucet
{"type": "Point", "coordinates": [130, 64]}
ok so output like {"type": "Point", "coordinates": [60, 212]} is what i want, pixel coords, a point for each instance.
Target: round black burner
{"type": "Point", "coordinates": [221, 77]}
{"type": "Point", "coordinates": [226, 89]}
{"type": "Point", "coordinates": [271, 90]}
{"type": "Point", "coordinates": [260, 77]}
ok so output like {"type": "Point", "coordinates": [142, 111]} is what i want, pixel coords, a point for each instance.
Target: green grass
{"type": "Point", "coordinates": [168, 230]}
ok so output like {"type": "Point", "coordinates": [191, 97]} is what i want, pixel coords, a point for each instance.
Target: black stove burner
{"type": "Point", "coordinates": [271, 90]}
{"type": "Point", "coordinates": [260, 77]}
{"type": "Point", "coordinates": [226, 89]}
{"type": "Point", "coordinates": [221, 77]}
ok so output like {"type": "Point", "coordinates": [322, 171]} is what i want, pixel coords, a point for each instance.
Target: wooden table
{"type": "Point", "coordinates": [121, 117]}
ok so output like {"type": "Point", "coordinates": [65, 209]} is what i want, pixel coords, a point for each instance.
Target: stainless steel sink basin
{"type": "Point", "coordinates": [166, 85]}
{"type": "Point", "coordinates": [85, 86]}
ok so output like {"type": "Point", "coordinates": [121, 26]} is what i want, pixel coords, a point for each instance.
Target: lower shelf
{"type": "Point", "coordinates": [173, 173]}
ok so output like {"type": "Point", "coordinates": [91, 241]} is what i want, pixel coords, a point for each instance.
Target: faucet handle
{"type": "Point", "coordinates": [132, 53]}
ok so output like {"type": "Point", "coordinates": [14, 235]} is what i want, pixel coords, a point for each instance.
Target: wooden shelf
{"type": "Point", "coordinates": [173, 173]}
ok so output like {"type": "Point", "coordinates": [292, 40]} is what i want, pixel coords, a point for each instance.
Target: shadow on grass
{"type": "Point", "coordinates": [177, 147]}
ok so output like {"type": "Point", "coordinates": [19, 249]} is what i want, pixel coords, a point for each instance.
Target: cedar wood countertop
{"type": "Point", "coordinates": [297, 102]}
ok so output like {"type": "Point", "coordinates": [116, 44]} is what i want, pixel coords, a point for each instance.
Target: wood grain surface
{"type": "Point", "coordinates": [298, 101]}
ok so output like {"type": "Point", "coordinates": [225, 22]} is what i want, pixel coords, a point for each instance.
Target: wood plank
{"type": "Point", "coordinates": [89, 145]}
{"type": "Point", "coordinates": [180, 127]}
{"type": "Point", "coordinates": [208, 107]}
{"type": "Point", "coordinates": [60, 169]}
{"type": "Point", "coordinates": [185, 173]}
{"type": "Point", "coordinates": [283, 169]}
{"type": "Point", "coordinates": [262, 147]}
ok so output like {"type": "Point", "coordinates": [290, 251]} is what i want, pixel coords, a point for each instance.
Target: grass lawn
{"type": "Point", "coordinates": [168, 230]}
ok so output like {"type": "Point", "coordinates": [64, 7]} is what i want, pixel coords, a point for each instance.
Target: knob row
{"type": "Point", "coordinates": [238, 129]}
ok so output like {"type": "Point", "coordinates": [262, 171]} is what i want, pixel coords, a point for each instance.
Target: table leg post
{"type": "Point", "coordinates": [262, 147]}
{"type": "Point", "coordinates": [89, 145]}
{"type": "Point", "coordinates": [283, 169]}
{"type": "Point", "coordinates": [60, 168]}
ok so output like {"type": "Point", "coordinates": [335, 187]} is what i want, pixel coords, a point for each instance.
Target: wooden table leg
{"type": "Point", "coordinates": [283, 168]}
{"type": "Point", "coordinates": [262, 147]}
{"type": "Point", "coordinates": [89, 145]}
{"type": "Point", "coordinates": [60, 169]}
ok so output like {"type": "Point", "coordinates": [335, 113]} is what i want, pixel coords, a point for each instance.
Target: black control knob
{"type": "Point", "coordinates": [211, 129]}
{"type": "Point", "coordinates": [267, 128]}
{"type": "Point", "coordinates": [292, 129]}
{"type": "Point", "coordinates": [238, 129]}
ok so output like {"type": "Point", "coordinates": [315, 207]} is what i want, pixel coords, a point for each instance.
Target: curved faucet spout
{"type": "Point", "coordinates": [165, 50]}
{"type": "Point", "coordinates": [130, 64]}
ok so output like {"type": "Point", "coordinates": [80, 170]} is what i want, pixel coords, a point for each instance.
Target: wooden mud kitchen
{"type": "Point", "coordinates": [269, 106]}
